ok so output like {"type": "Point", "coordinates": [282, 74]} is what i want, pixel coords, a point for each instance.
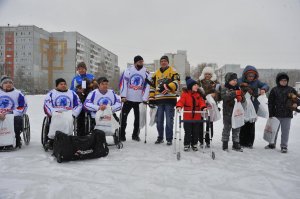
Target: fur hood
{"type": "Point", "coordinates": [208, 70]}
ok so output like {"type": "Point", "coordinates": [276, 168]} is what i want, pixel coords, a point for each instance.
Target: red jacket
{"type": "Point", "coordinates": [191, 101]}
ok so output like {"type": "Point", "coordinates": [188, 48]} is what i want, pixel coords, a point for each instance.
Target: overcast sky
{"type": "Point", "coordinates": [264, 33]}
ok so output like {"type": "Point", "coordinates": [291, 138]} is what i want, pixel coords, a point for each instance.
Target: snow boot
{"type": "Point", "coordinates": [159, 141]}
{"type": "Point", "coordinates": [270, 146]}
{"type": "Point", "coordinates": [225, 146]}
{"type": "Point", "coordinates": [169, 143]}
{"type": "Point", "coordinates": [284, 150]}
{"type": "Point", "coordinates": [194, 147]}
{"type": "Point", "coordinates": [136, 138]}
{"type": "Point", "coordinates": [186, 148]}
{"type": "Point", "coordinates": [237, 147]}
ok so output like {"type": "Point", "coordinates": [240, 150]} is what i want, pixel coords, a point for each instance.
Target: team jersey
{"type": "Point", "coordinates": [134, 84]}
{"type": "Point", "coordinates": [12, 102]}
{"type": "Point", "coordinates": [96, 98]}
{"type": "Point", "coordinates": [62, 101]}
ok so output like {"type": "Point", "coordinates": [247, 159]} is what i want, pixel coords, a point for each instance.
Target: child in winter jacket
{"type": "Point", "coordinates": [249, 82]}
{"type": "Point", "coordinates": [230, 92]}
{"type": "Point", "coordinates": [210, 85]}
{"type": "Point", "coordinates": [191, 100]}
{"type": "Point", "coordinates": [282, 102]}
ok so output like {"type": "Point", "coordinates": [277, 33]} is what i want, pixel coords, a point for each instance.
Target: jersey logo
{"type": "Point", "coordinates": [136, 82]}
{"type": "Point", "coordinates": [104, 101]}
{"type": "Point", "coordinates": [6, 103]}
{"type": "Point", "coordinates": [63, 101]}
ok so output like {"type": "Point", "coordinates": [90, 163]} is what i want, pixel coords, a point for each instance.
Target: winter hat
{"type": "Point", "coordinates": [137, 58]}
{"type": "Point", "coordinates": [165, 58]}
{"type": "Point", "coordinates": [230, 76]}
{"type": "Point", "coordinates": [190, 82]}
{"type": "Point", "coordinates": [102, 79]}
{"type": "Point", "coordinates": [59, 80]}
{"type": "Point", "coordinates": [5, 79]}
{"type": "Point", "coordinates": [209, 70]}
{"type": "Point", "coordinates": [281, 76]}
{"type": "Point", "coordinates": [81, 65]}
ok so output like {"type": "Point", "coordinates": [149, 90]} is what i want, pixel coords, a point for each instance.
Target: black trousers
{"type": "Point", "coordinates": [191, 133]}
{"type": "Point", "coordinates": [211, 126]}
{"type": "Point", "coordinates": [81, 130]}
{"type": "Point", "coordinates": [247, 134]}
{"type": "Point", "coordinates": [127, 106]}
{"type": "Point", "coordinates": [18, 123]}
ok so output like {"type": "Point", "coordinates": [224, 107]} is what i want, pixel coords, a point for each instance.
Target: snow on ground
{"type": "Point", "coordinates": [151, 171]}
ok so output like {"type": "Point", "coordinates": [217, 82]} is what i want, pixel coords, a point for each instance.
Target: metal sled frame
{"type": "Point", "coordinates": [116, 136]}
{"type": "Point", "coordinates": [46, 127]}
{"type": "Point", "coordinates": [178, 119]}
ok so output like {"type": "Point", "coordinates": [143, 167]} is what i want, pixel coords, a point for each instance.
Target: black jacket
{"type": "Point", "coordinates": [279, 101]}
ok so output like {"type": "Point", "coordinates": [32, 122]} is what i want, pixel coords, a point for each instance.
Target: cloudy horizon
{"type": "Point", "coordinates": [264, 33]}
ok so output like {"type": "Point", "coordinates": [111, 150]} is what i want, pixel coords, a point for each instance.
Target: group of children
{"type": "Point", "coordinates": [283, 100]}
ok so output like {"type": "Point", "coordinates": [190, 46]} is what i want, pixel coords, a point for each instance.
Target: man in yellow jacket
{"type": "Point", "coordinates": [165, 83]}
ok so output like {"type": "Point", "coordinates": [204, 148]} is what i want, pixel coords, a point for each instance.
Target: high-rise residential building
{"type": "Point", "coordinates": [34, 58]}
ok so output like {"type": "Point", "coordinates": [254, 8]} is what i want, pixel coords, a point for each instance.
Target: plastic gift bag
{"type": "Point", "coordinates": [271, 129]}
{"type": "Point", "coordinates": [7, 132]}
{"type": "Point", "coordinates": [238, 115]}
{"type": "Point", "coordinates": [250, 113]}
{"type": "Point", "coordinates": [106, 122]}
{"type": "Point", "coordinates": [263, 109]}
{"type": "Point", "coordinates": [61, 121]}
{"type": "Point", "coordinates": [153, 112]}
{"type": "Point", "coordinates": [214, 112]}
{"type": "Point", "coordinates": [142, 118]}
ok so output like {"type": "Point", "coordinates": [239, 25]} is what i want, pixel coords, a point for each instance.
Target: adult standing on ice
{"type": "Point", "coordinates": [79, 84]}
{"type": "Point", "coordinates": [249, 82]}
{"type": "Point", "coordinates": [12, 101]}
{"type": "Point", "coordinates": [134, 89]}
{"type": "Point", "coordinates": [165, 83]}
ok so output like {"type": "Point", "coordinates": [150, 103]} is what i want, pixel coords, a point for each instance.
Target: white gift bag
{"type": "Point", "coordinates": [238, 115]}
{"type": "Point", "coordinates": [263, 109]}
{"type": "Point", "coordinates": [61, 121]}
{"type": "Point", "coordinates": [214, 112]}
{"type": "Point", "coordinates": [7, 132]}
{"type": "Point", "coordinates": [271, 129]}
{"type": "Point", "coordinates": [250, 113]}
{"type": "Point", "coordinates": [153, 112]}
{"type": "Point", "coordinates": [142, 118]}
{"type": "Point", "coordinates": [106, 122]}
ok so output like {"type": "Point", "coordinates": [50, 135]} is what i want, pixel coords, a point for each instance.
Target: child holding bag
{"type": "Point", "coordinates": [229, 93]}
{"type": "Point", "coordinates": [192, 101]}
{"type": "Point", "coordinates": [281, 106]}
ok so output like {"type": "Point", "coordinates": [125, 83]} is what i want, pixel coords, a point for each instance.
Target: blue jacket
{"type": "Point", "coordinates": [253, 85]}
{"type": "Point", "coordinates": [77, 80]}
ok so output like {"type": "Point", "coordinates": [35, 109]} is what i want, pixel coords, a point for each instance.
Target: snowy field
{"type": "Point", "coordinates": [151, 171]}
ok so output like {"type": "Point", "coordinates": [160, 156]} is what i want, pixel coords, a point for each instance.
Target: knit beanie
{"type": "Point", "coordinates": [165, 58]}
{"type": "Point", "coordinates": [59, 80]}
{"type": "Point", "coordinates": [230, 76]}
{"type": "Point", "coordinates": [5, 79]}
{"type": "Point", "coordinates": [190, 82]}
{"type": "Point", "coordinates": [137, 58]}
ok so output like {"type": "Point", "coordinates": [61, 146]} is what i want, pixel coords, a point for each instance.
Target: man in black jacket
{"type": "Point", "coordinates": [281, 105]}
